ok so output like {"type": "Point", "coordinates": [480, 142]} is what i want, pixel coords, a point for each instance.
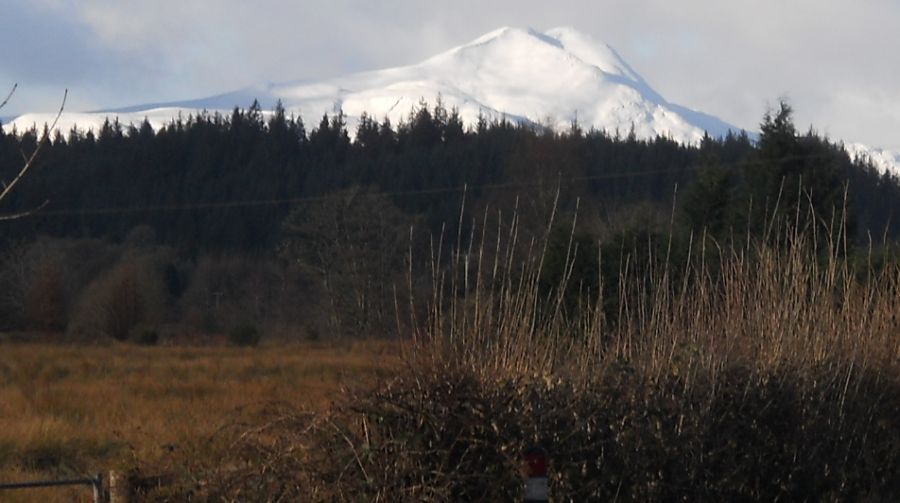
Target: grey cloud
{"type": "Point", "coordinates": [45, 48]}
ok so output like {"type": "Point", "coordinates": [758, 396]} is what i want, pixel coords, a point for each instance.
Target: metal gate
{"type": "Point", "coordinates": [95, 483]}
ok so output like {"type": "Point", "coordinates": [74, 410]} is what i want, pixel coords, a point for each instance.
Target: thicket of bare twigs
{"type": "Point", "coordinates": [760, 370]}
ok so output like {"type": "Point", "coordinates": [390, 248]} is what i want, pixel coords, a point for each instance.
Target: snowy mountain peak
{"type": "Point", "coordinates": [599, 54]}
{"type": "Point", "coordinates": [551, 78]}
{"type": "Point", "coordinates": [506, 35]}
{"type": "Point", "coordinates": [516, 46]}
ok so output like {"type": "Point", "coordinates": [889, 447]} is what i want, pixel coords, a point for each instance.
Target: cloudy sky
{"type": "Point", "coordinates": [836, 61]}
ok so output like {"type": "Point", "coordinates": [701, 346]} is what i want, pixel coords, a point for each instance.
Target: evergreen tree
{"type": "Point", "coordinates": [794, 180]}
{"type": "Point", "coordinates": [708, 201]}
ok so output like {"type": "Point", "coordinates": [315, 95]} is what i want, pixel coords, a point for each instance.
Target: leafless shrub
{"type": "Point", "coordinates": [46, 302]}
{"type": "Point", "coordinates": [129, 295]}
{"type": "Point", "coordinates": [225, 292]}
{"type": "Point", "coordinates": [353, 257]}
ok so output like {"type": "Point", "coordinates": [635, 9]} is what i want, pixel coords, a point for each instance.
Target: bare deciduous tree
{"type": "Point", "coordinates": [28, 161]}
{"type": "Point", "coordinates": [355, 243]}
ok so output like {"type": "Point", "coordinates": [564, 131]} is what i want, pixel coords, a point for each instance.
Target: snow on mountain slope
{"type": "Point", "coordinates": [547, 78]}
{"type": "Point", "coordinates": [550, 78]}
{"type": "Point", "coordinates": [883, 160]}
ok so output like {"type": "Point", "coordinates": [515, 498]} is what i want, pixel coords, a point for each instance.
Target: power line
{"type": "Point", "coordinates": [330, 197]}
{"type": "Point", "coordinates": [405, 193]}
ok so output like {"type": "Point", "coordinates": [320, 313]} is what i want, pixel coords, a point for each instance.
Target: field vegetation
{"type": "Point", "coordinates": [71, 410]}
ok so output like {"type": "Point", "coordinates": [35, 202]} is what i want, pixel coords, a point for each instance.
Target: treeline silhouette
{"type": "Point", "coordinates": [213, 182]}
{"type": "Point", "coordinates": [258, 197]}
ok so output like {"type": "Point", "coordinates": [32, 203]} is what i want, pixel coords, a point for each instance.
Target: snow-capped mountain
{"type": "Point", "coordinates": [548, 78]}
{"type": "Point", "coordinates": [551, 78]}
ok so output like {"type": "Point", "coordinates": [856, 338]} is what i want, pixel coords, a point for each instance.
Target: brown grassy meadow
{"type": "Point", "coordinates": [70, 410]}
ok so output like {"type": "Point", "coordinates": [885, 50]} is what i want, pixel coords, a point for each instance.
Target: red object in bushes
{"type": "Point", "coordinates": [536, 483]}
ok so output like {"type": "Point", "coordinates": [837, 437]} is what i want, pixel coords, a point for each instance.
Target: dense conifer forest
{"type": "Point", "coordinates": [216, 222]}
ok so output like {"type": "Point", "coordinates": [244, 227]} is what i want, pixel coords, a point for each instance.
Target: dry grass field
{"type": "Point", "coordinates": [70, 410]}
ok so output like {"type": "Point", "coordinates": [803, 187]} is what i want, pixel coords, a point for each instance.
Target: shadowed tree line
{"type": "Point", "coordinates": [254, 217]}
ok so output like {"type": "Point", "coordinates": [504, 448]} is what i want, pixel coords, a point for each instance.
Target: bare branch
{"type": "Point", "coordinates": [8, 96]}
{"type": "Point", "coordinates": [30, 161]}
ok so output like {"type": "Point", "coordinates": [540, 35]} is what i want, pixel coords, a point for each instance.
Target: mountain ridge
{"type": "Point", "coordinates": [551, 78]}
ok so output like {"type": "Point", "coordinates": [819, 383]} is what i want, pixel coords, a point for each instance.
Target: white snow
{"type": "Point", "coordinates": [549, 78]}
{"type": "Point", "coordinates": [883, 160]}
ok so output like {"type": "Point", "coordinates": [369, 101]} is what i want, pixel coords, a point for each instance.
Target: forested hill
{"type": "Point", "coordinates": [213, 183]}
